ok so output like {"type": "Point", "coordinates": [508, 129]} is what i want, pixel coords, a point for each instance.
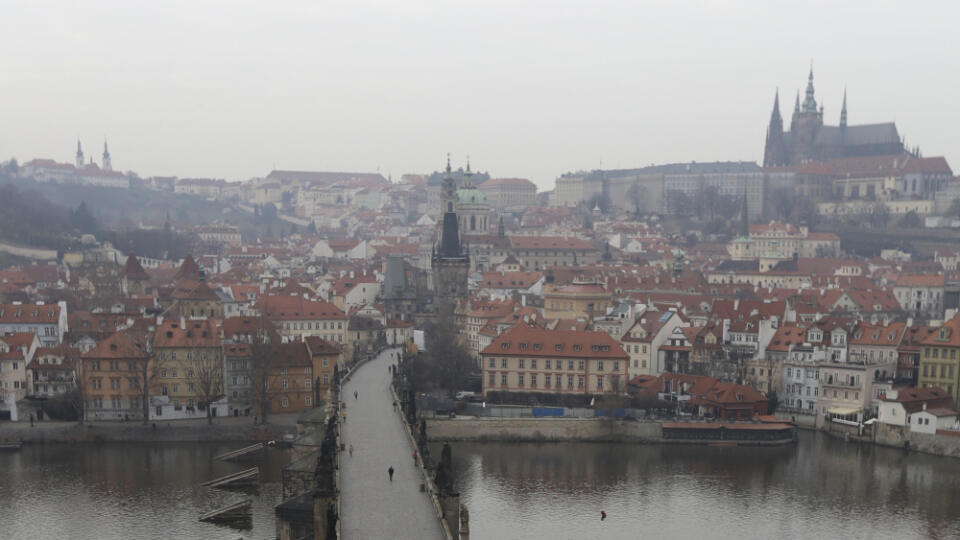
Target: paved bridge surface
{"type": "Point", "coordinates": [371, 506]}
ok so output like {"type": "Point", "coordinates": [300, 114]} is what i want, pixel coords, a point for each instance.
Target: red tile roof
{"type": "Point", "coordinates": [523, 340]}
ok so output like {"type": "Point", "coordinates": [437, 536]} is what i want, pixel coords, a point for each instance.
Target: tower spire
{"type": "Point", "coordinates": [106, 157]}
{"type": "Point", "coordinates": [809, 101]}
{"type": "Point", "coordinates": [843, 111]}
{"type": "Point", "coordinates": [79, 160]}
{"type": "Point", "coordinates": [796, 104]}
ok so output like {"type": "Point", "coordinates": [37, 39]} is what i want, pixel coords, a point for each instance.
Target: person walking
{"type": "Point", "coordinates": [390, 472]}
{"type": "Point", "coordinates": [414, 458]}
{"type": "Point", "coordinates": [354, 394]}
{"type": "Point", "coordinates": [351, 450]}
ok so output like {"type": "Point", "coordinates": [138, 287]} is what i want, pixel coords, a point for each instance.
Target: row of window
{"type": "Point", "coordinates": [312, 326]}
{"type": "Point", "coordinates": [532, 380]}
{"type": "Point", "coordinates": [550, 363]}
{"type": "Point", "coordinates": [285, 402]}
{"type": "Point", "coordinates": [930, 370]}
{"type": "Point", "coordinates": [96, 383]}
{"type": "Point", "coordinates": [934, 352]}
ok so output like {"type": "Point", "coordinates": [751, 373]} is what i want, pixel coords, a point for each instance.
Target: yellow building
{"type": "Point", "coordinates": [580, 299]}
{"type": "Point", "coordinates": [182, 349]}
{"type": "Point", "coordinates": [940, 358]}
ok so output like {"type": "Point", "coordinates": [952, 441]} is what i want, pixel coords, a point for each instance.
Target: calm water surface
{"type": "Point", "coordinates": [127, 490]}
{"type": "Point", "coordinates": [820, 488]}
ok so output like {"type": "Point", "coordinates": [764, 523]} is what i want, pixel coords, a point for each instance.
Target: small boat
{"type": "Point", "coordinates": [10, 445]}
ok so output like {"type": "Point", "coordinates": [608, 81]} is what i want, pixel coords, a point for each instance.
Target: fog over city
{"type": "Point", "coordinates": [235, 89]}
{"type": "Point", "coordinates": [465, 270]}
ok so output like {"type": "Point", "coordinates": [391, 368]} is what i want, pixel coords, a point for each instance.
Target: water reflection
{"type": "Point", "coordinates": [126, 490]}
{"type": "Point", "coordinates": [820, 487]}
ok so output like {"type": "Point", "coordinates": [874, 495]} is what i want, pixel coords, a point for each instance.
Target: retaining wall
{"type": "Point", "coordinates": [543, 429]}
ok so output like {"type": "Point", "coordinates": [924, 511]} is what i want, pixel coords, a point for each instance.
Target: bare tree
{"type": "Point", "coordinates": [145, 371]}
{"type": "Point", "coordinates": [263, 351]}
{"type": "Point", "coordinates": [78, 396]}
{"type": "Point", "coordinates": [205, 373]}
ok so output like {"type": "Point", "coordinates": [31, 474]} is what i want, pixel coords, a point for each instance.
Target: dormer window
{"type": "Point", "coordinates": [559, 347]}
{"type": "Point", "coordinates": [577, 347]}
{"type": "Point", "coordinates": [505, 345]}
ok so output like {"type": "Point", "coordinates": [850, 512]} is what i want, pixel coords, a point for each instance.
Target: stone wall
{"type": "Point", "coordinates": [940, 445]}
{"type": "Point", "coordinates": [543, 429]}
{"type": "Point", "coordinates": [62, 432]}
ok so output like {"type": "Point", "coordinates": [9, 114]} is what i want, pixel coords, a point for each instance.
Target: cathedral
{"type": "Point", "coordinates": [451, 260]}
{"type": "Point", "coordinates": [810, 140]}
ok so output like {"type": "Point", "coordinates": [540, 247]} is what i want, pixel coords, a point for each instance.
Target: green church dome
{"type": "Point", "coordinates": [471, 196]}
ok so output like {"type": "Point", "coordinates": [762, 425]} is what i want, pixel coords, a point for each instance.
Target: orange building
{"type": "Point", "coordinates": [111, 373]}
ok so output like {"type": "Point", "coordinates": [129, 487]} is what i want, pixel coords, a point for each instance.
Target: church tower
{"type": "Point", "coordinates": [450, 261]}
{"type": "Point", "coordinates": [775, 150]}
{"type": "Point", "coordinates": [806, 123]}
{"type": "Point", "coordinates": [106, 158]}
{"type": "Point", "coordinates": [79, 161]}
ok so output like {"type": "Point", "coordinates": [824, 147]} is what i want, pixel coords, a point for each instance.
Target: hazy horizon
{"type": "Point", "coordinates": [235, 89]}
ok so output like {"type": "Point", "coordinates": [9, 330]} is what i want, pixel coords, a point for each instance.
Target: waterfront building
{"type": "Point", "coordinates": [188, 356]}
{"type": "Point", "coordinates": [111, 373]}
{"type": "Point", "coordinates": [643, 341]}
{"type": "Point", "coordinates": [16, 352]}
{"type": "Point", "coordinates": [529, 359]}
{"type": "Point", "coordinates": [52, 372]}
{"type": "Point", "coordinates": [940, 358]}
{"type": "Point", "coordinates": [801, 378]}
{"type": "Point", "coordinates": [291, 378]}
{"type": "Point", "coordinates": [238, 380]}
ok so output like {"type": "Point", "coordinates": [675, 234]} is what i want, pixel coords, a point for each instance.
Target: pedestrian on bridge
{"type": "Point", "coordinates": [351, 450]}
{"type": "Point", "coordinates": [354, 394]}
{"type": "Point", "coordinates": [390, 472]}
{"type": "Point", "coordinates": [414, 458]}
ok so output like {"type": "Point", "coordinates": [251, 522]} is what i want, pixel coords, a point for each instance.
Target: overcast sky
{"type": "Point", "coordinates": [529, 89]}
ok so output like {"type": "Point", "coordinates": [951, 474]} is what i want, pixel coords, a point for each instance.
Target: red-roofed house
{"type": "Point", "coordinates": [529, 359]}
{"type": "Point", "coordinates": [298, 316]}
{"type": "Point", "coordinates": [921, 294]}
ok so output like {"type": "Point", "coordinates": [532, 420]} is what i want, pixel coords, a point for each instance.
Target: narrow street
{"type": "Point", "coordinates": [371, 505]}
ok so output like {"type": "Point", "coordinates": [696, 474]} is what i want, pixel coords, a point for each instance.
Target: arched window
{"type": "Point", "coordinates": [449, 207]}
{"type": "Point", "coordinates": [473, 223]}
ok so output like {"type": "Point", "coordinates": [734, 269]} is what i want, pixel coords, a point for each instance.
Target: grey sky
{"type": "Point", "coordinates": [531, 89]}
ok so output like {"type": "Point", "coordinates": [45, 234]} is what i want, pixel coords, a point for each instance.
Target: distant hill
{"type": "Point", "coordinates": [30, 219]}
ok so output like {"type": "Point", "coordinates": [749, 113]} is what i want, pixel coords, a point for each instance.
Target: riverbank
{"type": "Point", "coordinates": [223, 429]}
{"type": "Point", "coordinates": [486, 429]}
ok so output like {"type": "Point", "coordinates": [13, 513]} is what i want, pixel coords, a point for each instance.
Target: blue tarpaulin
{"type": "Point", "coordinates": [547, 411]}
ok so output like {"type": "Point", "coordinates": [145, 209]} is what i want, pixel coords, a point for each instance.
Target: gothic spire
{"type": "Point", "coordinates": [796, 105]}
{"type": "Point", "coordinates": [843, 111]}
{"type": "Point", "coordinates": [775, 115]}
{"type": "Point", "coordinates": [809, 101]}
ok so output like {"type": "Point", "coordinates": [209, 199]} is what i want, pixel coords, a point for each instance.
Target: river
{"type": "Point", "coordinates": [819, 488]}
{"type": "Point", "coordinates": [127, 491]}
